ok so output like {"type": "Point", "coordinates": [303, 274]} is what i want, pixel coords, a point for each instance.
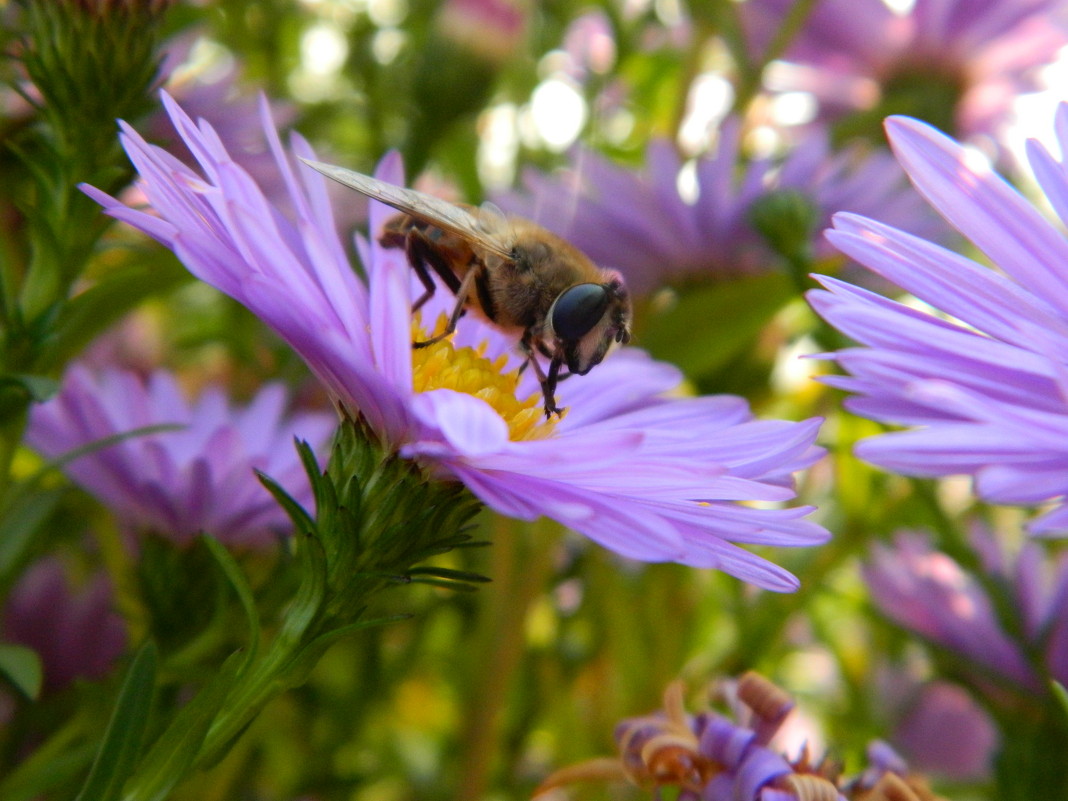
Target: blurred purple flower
{"type": "Point", "coordinates": [1005, 643]}
{"type": "Point", "coordinates": [589, 45]}
{"type": "Point", "coordinates": [715, 757]}
{"type": "Point", "coordinates": [640, 223]}
{"type": "Point", "coordinates": [213, 91]}
{"type": "Point", "coordinates": [648, 475]}
{"type": "Point", "coordinates": [75, 632]}
{"type": "Point", "coordinates": [984, 391]}
{"type": "Point", "coordinates": [490, 28]}
{"type": "Point", "coordinates": [179, 483]}
{"type": "Point", "coordinates": [946, 732]}
{"type": "Point", "coordinates": [967, 58]}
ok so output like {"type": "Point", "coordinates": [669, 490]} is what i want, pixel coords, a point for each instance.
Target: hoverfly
{"type": "Point", "coordinates": [514, 274]}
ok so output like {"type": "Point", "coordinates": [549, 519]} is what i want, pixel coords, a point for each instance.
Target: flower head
{"type": "Point", "coordinates": [980, 383]}
{"type": "Point", "coordinates": [643, 225]}
{"type": "Point", "coordinates": [957, 63]}
{"type": "Point", "coordinates": [648, 475]}
{"type": "Point", "coordinates": [198, 478]}
{"type": "Point", "coordinates": [711, 756]}
{"type": "Point", "coordinates": [74, 631]}
{"type": "Point", "coordinates": [929, 593]}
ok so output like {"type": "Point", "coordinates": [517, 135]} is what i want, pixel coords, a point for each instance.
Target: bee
{"type": "Point", "coordinates": [510, 272]}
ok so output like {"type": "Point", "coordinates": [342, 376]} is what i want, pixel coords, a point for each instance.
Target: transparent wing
{"type": "Point", "coordinates": [431, 210]}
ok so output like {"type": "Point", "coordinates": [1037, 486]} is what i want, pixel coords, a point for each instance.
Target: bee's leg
{"type": "Point", "coordinates": [421, 254]}
{"type": "Point", "coordinates": [548, 386]}
{"type": "Point", "coordinates": [548, 382]}
{"type": "Point", "coordinates": [462, 291]}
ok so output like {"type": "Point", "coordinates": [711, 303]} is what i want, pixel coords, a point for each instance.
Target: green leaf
{"type": "Point", "coordinates": [455, 586]}
{"type": "Point", "coordinates": [58, 762]}
{"type": "Point", "coordinates": [88, 314]}
{"type": "Point", "coordinates": [22, 667]}
{"type": "Point", "coordinates": [122, 740]}
{"type": "Point", "coordinates": [241, 587]}
{"type": "Point", "coordinates": [711, 324]}
{"type": "Point", "coordinates": [172, 755]}
{"type": "Point", "coordinates": [20, 524]}
{"type": "Point", "coordinates": [98, 445]}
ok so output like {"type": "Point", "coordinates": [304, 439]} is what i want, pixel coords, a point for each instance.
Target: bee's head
{"type": "Point", "coordinates": [587, 320]}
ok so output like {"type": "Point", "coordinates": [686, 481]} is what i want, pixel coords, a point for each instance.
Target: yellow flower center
{"type": "Point", "coordinates": [445, 366]}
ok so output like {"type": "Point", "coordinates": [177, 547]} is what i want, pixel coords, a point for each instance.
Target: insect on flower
{"type": "Point", "coordinates": [509, 271]}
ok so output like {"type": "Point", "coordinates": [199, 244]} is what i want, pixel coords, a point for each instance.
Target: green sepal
{"type": "Point", "coordinates": [21, 666]}
{"type": "Point", "coordinates": [303, 521]}
{"type": "Point", "coordinates": [122, 740]}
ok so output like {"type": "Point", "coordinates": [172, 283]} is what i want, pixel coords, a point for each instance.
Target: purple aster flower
{"type": "Point", "coordinates": [711, 756]}
{"type": "Point", "coordinates": [649, 475]}
{"type": "Point", "coordinates": [963, 61]}
{"type": "Point", "coordinates": [74, 631]}
{"type": "Point", "coordinates": [640, 224]}
{"type": "Point", "coordinates": [945, 731]}
{"type": "Point", "coordinates": [1002, 646]}
{"type": "Point", "coordinates": [179, 483]}
{"type": "Point", "coordinates": [981, 383]}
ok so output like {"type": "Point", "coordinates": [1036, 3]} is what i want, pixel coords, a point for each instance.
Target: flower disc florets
{"type": "Point", "coordinates": [467, 369]}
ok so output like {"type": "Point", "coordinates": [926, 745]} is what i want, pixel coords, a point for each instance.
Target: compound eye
{"type": "Point", "coordinates": [578, 309]}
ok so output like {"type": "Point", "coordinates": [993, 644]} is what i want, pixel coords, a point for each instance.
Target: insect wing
{"type": "Point", "coordinates": [427, 208]}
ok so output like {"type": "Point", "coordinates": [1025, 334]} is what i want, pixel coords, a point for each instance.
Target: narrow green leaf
{"type": "Point", "coordinates": [172, 755]}
{"type": "Point", "coordinates": [449, 573]}
{"type": "Point", "coordinates": [22, 667]}
{"type": "Point", "coordinates": [122, 740]}
{"type": "Point", "coordinates": [89, 313]}
{"type": "Point", "coordinates": [100, 444]}
{"type": "Point", "coordinates": [56, 763]}
{"type": "Point", "coordinates": [241, 588]}
{"type": "Point", "coordinates": [20, 524]}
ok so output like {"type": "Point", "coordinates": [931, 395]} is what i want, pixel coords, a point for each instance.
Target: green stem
{"type": "Point", "coordinates": [520, 567]}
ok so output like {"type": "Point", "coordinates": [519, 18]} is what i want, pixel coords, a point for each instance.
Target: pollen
{"type": "Point", "coordinates": [443, 365]}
